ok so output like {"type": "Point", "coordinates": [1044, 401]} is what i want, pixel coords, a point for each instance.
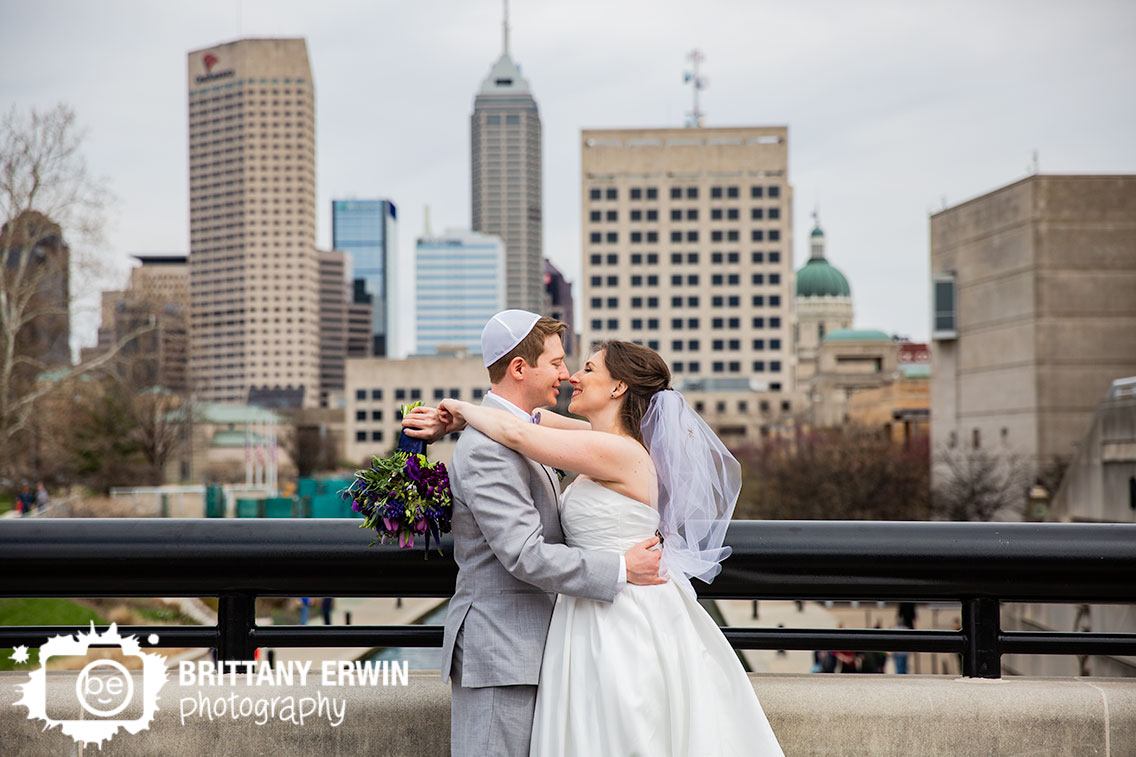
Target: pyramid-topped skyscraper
{"type": "Point", "coordinates": [505, 141]}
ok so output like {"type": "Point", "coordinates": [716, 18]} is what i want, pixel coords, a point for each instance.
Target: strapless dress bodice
{"type": "Point", "coordinates": [595, 517]}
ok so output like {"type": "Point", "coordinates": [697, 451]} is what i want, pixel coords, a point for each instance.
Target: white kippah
{"type": "Point", "coordinates": [504, 332]}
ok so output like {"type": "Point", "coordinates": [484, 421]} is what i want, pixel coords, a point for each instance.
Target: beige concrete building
{"type": "Point", "coordinates": [254, 295]}
{"type": "Point", "coordinates": [157, 295]}
{"type": "Point", "coordinates": [687, 248]}
{"type": "Point", "coordinates": [848, 361]}
{"type": "Point", "coordinates": [1034, 312]}
{"type": "Point", "coordinates": [378, 387]}
{"type": "Point", "coordinates": [333, 324]}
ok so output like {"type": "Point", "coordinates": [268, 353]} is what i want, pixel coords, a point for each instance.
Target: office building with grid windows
{"type": "Point", "coordinates": [687, 248]}
{"type": "Point", "coordinates": [253, 265]}
{"type": "Point", "coordinates": [461, 285]}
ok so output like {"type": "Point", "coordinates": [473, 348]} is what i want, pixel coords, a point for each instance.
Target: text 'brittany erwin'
{"type": "Point", "coordinates": [293, 673]}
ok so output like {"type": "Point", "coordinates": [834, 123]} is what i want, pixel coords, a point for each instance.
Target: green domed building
{"type": "Point", "coordinates": [824, 304]}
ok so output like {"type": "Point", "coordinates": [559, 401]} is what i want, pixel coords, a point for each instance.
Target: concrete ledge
{"type": "Point", "coordinates": [811, 715]}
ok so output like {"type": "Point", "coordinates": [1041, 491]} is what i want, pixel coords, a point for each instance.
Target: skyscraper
{"type": "Point", "coordinates": [253, 266]}
{"type": "Point", "coordinates": [368, 231]}
{"type": "Point", "coordinates": [461, 284]}
{"type": "Point", "coordinates": [505, 141]}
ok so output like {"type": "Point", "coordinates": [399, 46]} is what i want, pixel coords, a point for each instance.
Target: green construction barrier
{"type": "Point", "coordinates": [307, 487]}
{"type": "Point", "coordinates": [334, 485]}
{"type": "Point", "coordinates": [214, 502]}
{"type": "Point", "coordinates": [278, 507]}
{"type": "Point", "coordinates": [249, 508]}
{"type": "Point", "coordinates": [330, 506]}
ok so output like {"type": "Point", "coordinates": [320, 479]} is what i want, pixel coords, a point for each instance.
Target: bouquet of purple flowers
{"type": "Point", "coordinates": [404, 495]}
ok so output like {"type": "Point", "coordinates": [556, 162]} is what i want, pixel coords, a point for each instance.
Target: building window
{"type": "Point", "coordinates": [758, 300]}
{"type": "Point", "coordinates": [774, 257]}
{"type": "Point", "coordinates": [759, 367]}
{"type": "Point", "coordinates": [652, 302]}
{"type": "Point", "coordinates": [613, 281]}
{"type": "Point", "coordinates": [376, 415]}
{"type": "Point", "coordinates": [774, 344]}
{"type": "Point", "coordinates": [595, 216]}
{"type": "Point", "coordinates": [439, 394]}
{"type": "Point", "coordinates": [692, 323]}
{"type": "Point", "coordinates": [636, 258]}
{"type": "Point", "coordinates": [774, 235]}
{"type": "Point", "coordinates": [613, 237]}
{"type": "Point", "coordinates": [676, 280]}
{"type": "Point", "coordinates": [676, 345]}
{"type": "Point", "coordinates": [376, 436]}
{"type": "Point", "coordinates": [716, 214]}
{"type": "Point", "coordinates": [399, 394]}
{"type": "Point", "coordinates": [636, 194]}
{"type": "Point", "coordinates": [733, 279]}
{"type": "Point", "coordinates": [735, 366]}
{"type": "Point", "coordinates": [596, 259]}
{"type": "Point", "coordinates": [759, 278]}
{"type": "Point", "coordinates": [636, 324]}
{"type": "Point", "coordinates": [652, 193]}
{"type": "Point", "coordinates": [597, 324]}
{"type": "Point", "coordinates": [612, 193]}
{"type": "Point", "coordinates": [715, 193]}
{"type": "Point", "coordinates": [774, 191]}
{"type": "Point", "coordinates": [676, 302]}
{"type": "Point", "coordinates": [758, 257]}
{"type": "Point", "coordinates": [676, 258]}
{"type": "Point", "coordinates": [636, 281]}
{"type": "Point", "coordinates": [652, 281]}
{"type": "Point", "coordinates": [636, 302]}
{"type": "Point", "coordinates": [719, 367]}
{"type": "Point", "coordinates": [692, 214]}
{"type": "Point", "coordinates": [716, 280]}
{"type": "Point", "coordinates": [652, 237]}
{"type": "Point", "coordinates": [652, 258]}
{"type": "Point", "coordinates": [774, 214]}
{"type": "Point", "coordinates": [774, 323]}
{"type": "Point", "coordinates": [946, 313]}
{"type": "Point", "coordinates": [415, 394]}
{"type": "Point", "coordinates": [653, 344]}
{"type": "Point", "coordinates": [694, 367]}
{"type": "Point", "coordinates": [593, 194]}
{"type": "Point", "coordinates": [975, 438]}
{"type": "Point", "coordinates": [692, 193]}
{"type": "Point", "coordinates": [676, 236]}
{"type": "Point", "coordinates": [360, 436]}
{"type": "Point", "coordinates": [612, 216]}
{"type": "Point", "coordinates": [360, 394]}
{"type": "Point", "coordinates": [652, 325]}
{"type": "Point", "coordinates": [758, 344]}
{"type": "Point", "coordinates": [759, 323]}
{"type": "Point", "coordinates": [636, 237]}
{"type": "Point", "coordinates": [774, 366]}
{"type": "Point", "coordinates": [360, 415]}
{"type": "Point", "coordinates": [676, 193]}
{"type": "Point", "coordinates": [715, 236]}
{"type": "Point", "coordinates": [652, 215]}
{"type": "Point", "coordinates": [636, 215]}
{"type": "Point", "coordinates": [774, 278]}
{"type": "Point", "coordinates": [756, 191]}
{"type": "Point", "coordinates": [676, 324]}
{"type": "Point", "coordinates": [677, 367]}
{"type": "Point", "coordinates": [597, 281]}
{"type": "Point", "coordinates": [756, 214]}
{"type": "Point", "coordinates": [597, 302]}
{"type": "Point", "coordinates": [692, 302]}
{"type": "Point", "coordinates": [692, 236]}
{"type": "Point", "coordinates": [612, 303]}
{"type": "Point", "coordinates": [732, 214]}
{"type": "Point", "coordinates": [612, 324]}
{"type": "Point", "coordinates": [757, 235]}
{"type": "Point", "coordinates": [716, 257]}
{"type": "Point", "coordinates": [595, 237]}
{"type": "Point", "coordinates": [774, 300]}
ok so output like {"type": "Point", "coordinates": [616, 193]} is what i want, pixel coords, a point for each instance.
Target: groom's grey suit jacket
{"type": "Point", "coordinates": [511, 562]}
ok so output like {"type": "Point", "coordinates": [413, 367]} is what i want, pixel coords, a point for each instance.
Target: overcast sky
{"type": "Point", "coordinates": [893, 108]}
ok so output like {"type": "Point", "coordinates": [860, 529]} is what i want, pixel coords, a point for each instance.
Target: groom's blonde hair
{"type": "Point", "coordinates": [528, 349]}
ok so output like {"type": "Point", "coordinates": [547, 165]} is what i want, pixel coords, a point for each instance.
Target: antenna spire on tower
{"type": "Point", "coordinates": [698, 83]}
{"type": "Point", "coordinates": [505, 28]}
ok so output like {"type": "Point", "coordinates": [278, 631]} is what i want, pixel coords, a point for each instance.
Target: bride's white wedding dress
{"type": "Point", "coordinates": [649, 674]}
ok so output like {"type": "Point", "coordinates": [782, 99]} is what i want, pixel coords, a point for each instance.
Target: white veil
{"type": "Point", "coordinates": [699, 483]}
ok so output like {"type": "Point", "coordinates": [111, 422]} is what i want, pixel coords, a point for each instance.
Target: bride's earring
{"type": "Point", "coordinates": [613, 395]}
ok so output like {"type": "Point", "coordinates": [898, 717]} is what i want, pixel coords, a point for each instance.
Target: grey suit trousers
{"type": "Point", "coordinates": [490, 720]}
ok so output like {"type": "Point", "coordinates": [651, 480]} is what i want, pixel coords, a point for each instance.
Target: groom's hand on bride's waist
{"type": "Point", "coordinates": [429, 424]}
{"type": "Point", "coordinates": [643, 563]}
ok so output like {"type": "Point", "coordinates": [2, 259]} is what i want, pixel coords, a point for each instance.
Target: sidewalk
{"type": "Point", "coordinates": [773, 613]}
{"type": "Point", "coordinates": [365, 611]}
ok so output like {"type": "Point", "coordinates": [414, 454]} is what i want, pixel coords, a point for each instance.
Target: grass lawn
{"type": "Point", "coordinates": [48, 611]}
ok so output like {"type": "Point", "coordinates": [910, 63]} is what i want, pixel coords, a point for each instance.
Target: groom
{"type": "Point", "coordinates": [509, 547]}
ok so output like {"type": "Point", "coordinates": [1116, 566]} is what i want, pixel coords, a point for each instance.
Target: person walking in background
{"type": "Point", "coordinates": [41, 497]}
{"type": "Point", "coordinates": [305, 609]}
{"type": "Point", "coordinates": [326, 605]}
{"type": "Point", "coordinates": [25, 500]}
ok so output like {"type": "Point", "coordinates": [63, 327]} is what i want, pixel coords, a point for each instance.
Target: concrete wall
{"type": "Point", "coordinates": [877, 715]}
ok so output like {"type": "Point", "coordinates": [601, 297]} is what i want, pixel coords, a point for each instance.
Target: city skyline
{"type": "Point", "coordinates": [949, 104]}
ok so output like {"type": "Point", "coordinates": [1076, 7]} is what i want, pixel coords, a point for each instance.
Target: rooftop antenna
{"type": "Point", "coordinates": [697, 83]}
{"type": "Point", "coordinates": [1033, 167]}
{"type": "Point", "coordinates": [426, 233]}
{"type": "Point", "coordinates": [505, 28]}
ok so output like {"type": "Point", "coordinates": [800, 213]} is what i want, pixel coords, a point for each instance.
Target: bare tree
{"type": "Point", "coordinates": [46, 193]}
{"type": "Point", "coordinates": [979, 486]}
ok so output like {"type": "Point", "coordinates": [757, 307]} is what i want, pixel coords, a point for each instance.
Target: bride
{"type": "Point", "coordinates": [650, 673]}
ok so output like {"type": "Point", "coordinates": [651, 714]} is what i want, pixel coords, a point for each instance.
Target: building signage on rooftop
{"type": "Point", "coordinates": [209, 60]}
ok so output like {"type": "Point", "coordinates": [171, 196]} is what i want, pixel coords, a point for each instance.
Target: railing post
{"type": "Point", "coordinates": [981, 624]}
{"type": "Point", "coordinates": [236, 616]}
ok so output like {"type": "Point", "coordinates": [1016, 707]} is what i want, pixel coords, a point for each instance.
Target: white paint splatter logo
{"type": "Point", "coordinates": [104, 688]}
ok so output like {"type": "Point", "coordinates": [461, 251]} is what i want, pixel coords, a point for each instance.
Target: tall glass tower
{"type": "Point", "coordinates": [505, 137]}
{"type": "Point", "coordinates": [368, 231]}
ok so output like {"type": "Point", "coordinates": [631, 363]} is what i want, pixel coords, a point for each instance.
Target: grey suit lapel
{"type": "Point", "coordinates": [549, 475]}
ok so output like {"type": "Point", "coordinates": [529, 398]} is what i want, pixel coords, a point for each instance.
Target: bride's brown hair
{"type": "Point", "coordinates": [645, 373]}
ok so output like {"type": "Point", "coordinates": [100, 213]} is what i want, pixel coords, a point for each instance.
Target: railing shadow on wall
{"type": "Point", "coordinates": [979, 565]}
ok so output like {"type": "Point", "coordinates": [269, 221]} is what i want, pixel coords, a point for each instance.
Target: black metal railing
{"type": "Point", "coordinates": [976, 564]}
